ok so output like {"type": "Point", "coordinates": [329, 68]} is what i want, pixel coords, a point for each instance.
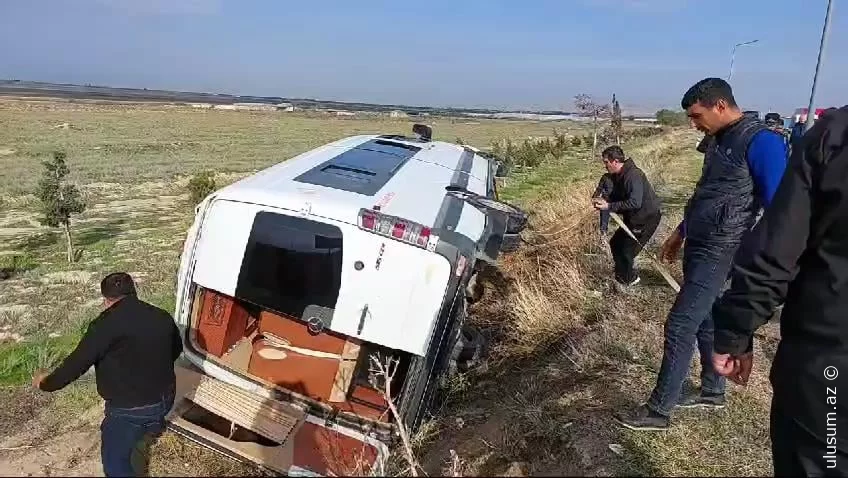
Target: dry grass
{"type": "Point", "coordinates": [125, 144]}
{"type": "Point", "coordinates": [172, 455]}
{"type": "Point", "coordinates": [568, 350]}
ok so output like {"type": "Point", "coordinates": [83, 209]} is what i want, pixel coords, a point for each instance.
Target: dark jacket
{"type": "Point", "coordinates": [799, 252]}
{"type": "Point", "coordinates": [723, 206]}
{"type": "Point", "coordinates": [133, 346]}
{"type": "Point", "coordinates": [633, 196]}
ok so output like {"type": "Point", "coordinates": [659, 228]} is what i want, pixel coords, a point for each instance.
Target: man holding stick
{"type": "Point", "coordinates": [634, 198]}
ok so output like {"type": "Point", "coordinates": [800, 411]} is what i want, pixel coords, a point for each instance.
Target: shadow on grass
{"type": "Point", "coordinates": [101, 232]}
{"type": "Point", "coordinates": [82, 236]}
{"type": "Point", "coordinates": [38, 241]}
{"type": "Point", "coordinates": [650, 277]}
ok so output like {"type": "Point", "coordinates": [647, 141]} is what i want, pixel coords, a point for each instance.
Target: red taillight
{"type": "Point", "coordinates": [423, 237]}
{"type": "Point", "coordinates": [394, 227]}
{"type": "Point", "coordinates": [398, 230]}
{"type": "Point", "coordinates": [367, 221]}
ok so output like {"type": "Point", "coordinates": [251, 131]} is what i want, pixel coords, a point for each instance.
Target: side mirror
{"type": "Point", "coordinates": [514, 218]}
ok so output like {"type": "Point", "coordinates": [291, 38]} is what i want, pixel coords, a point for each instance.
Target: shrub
{"type": "Point", "coordinates": [672, 118]}
{"type": "Point", "coordinates": [561, 143]}
{"type": "Point", "coordinates": [201, 185]}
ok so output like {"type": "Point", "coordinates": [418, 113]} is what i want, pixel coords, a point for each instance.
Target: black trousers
{"type": "Point", "coordinates": [796, 452]}
{"type": "Point", "coordinates": [625, 249]}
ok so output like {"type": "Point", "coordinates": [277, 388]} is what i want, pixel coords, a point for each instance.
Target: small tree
{"type": "Point", "coordinates": [616, 120]}
{"type": "Point", "coordinates": [59, 200]}
{"type": "Point", "coordinates": [587, 107]}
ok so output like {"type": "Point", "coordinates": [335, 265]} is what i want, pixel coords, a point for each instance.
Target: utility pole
{"type": "Point", "coordinates": [811, 110]}
{"type": "Point", "coordinates": [733, 55]}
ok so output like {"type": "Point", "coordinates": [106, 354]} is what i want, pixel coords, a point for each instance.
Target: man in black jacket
{"type": "Point", "coordinates": [634, 198]}
{"type": "Point", "coordinates": [133, 346]}
{"type": "Point", "coordinates": [798, 252]}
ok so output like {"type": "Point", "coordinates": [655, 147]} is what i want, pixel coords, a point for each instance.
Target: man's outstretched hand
{"type": "Point", "coordinates": [736, 368]}
{"type": "Point", "coordinates": [38, 378]}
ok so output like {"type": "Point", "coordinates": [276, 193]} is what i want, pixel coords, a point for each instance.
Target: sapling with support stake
{"type": "Point", "coordinates": [59, 200]}
{"type": "Point", "coordinates": [588, 108]}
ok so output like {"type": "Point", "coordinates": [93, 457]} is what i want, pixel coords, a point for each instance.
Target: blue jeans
{"type": "Point", "coordinates": [689, 324]}
{"type": "Point", "coordinates": [605, 217]}
{"type": "Point", "coordinates": [127, 433]}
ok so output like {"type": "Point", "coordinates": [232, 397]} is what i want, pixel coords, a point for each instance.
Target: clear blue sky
{"type": "Point", "coordinates": [475, 53]}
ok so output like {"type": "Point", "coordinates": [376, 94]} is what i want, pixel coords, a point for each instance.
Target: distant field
{"type": "Point", "coordinates": [121, 144]}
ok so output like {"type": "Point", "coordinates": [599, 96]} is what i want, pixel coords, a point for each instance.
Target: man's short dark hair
{"type": "Point", "coordinates": [117, 285]}
{"type": "Point", "coordinates": [773, 119]}
{"type": "Point", "coordinates": [614, 153]}
{"type": "Point", "coordinates": [708, 92]}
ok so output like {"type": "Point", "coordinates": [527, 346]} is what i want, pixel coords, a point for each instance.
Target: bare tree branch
{"type": "Point", "coordinates": [387, 370]}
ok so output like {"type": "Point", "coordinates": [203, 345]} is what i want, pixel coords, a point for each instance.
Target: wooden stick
{"type": "Point", "coordinates": [657, 264]}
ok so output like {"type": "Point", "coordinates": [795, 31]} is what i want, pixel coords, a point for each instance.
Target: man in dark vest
{"type": "Point", "coordinates": [743, 165]}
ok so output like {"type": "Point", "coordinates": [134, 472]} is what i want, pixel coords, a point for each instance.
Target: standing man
{"type": "Point", "coordinates": [133, 346]}
{"type": "Point", "coordinates": [743, 164]}
{"type": "Point", "coordinates": [633, 197]}
{"type": "Point", "coordinates": [798, 252]}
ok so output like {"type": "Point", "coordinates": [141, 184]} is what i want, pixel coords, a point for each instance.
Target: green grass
{"type": "Point", "coordinates": [18, 262]}
{"type": "Point", "coordinates": [19, 361]}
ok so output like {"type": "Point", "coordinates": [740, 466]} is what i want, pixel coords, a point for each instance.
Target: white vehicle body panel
{"type": "Point", "coordinates": [400, 301]}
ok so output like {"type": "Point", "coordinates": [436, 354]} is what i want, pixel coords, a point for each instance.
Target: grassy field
{"type": "Point", "coordinates": [566, 349]}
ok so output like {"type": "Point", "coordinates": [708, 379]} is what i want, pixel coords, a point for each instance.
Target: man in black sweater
{"type": "Point", "coordinates": [133, 346]}
{"type": "Point", "coordinates": [634, 198]}
{"type": "Point", "coordinates": [798, 252]}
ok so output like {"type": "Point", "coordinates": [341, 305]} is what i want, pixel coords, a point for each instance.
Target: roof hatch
{"type": "Point", "coordinates": [364, 169]}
